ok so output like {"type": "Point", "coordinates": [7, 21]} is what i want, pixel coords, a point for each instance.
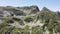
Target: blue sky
{"type": "Point", "coordinates": [51, 4]}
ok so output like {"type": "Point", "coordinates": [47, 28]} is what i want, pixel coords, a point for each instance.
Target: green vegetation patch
{"type": "Point", "coordinates": [37, 30]}
{"type": "Point", "coordinates": [21, 31]}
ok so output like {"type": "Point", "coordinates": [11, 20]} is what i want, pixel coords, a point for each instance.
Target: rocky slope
{"type": "Point", "coordinates": [18, 11]}
{"type": "Point", "coordinates": [28, 20]}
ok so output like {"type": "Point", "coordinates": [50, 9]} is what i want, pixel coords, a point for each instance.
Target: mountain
{"type": "Point", "coordinates": [29, 20]}
{"type": "Point", "coordinates": [19, 11]}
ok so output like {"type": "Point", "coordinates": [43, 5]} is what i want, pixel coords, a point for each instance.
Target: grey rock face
{"type": "Point", "coordinates": [19, 11]}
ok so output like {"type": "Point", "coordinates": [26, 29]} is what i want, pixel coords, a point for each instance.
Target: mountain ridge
{"type": "Point", "coordinates": [29, 20]}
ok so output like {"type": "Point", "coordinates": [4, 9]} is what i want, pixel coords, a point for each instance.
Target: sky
{"type": "Point", "coordinates": [50, 4]}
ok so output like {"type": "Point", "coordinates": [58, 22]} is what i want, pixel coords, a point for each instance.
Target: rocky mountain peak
{"type": "Point", "coordinates": [20, 11]}
{"type": "Point", "coordinates": [45, 9]}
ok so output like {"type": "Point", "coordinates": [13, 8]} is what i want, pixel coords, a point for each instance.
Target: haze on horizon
{"type": "Point", "coordinates": [50, 4]}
